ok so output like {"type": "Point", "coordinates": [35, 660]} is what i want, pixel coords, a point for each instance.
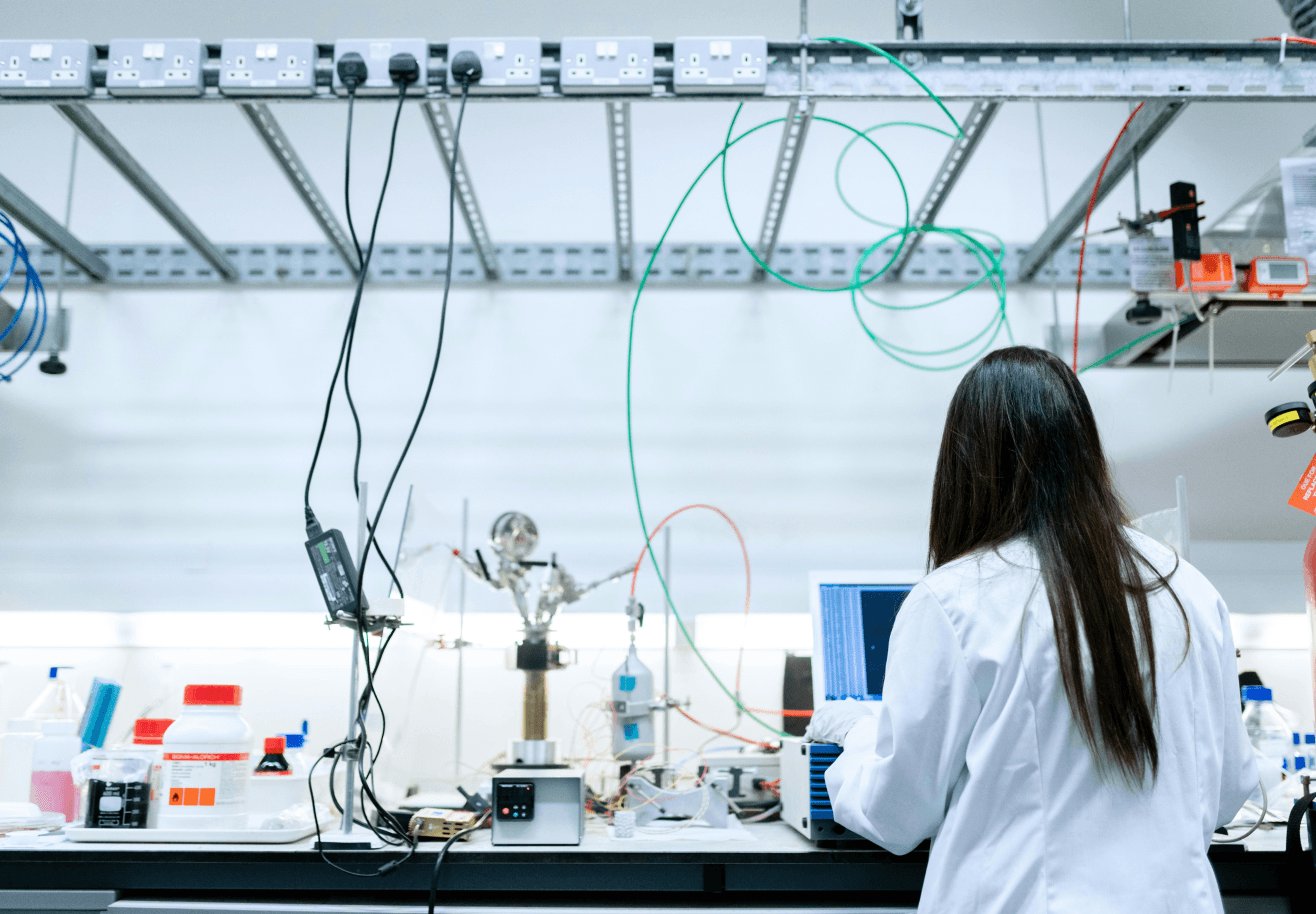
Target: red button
{"type": "Point", "coordinates": [506, 810]}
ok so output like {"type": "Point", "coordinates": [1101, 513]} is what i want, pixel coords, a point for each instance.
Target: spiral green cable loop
{"type": "Point", "coordinates": [988, 259]}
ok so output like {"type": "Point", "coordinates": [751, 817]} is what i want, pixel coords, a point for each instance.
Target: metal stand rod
{"type": "Point", "coordinates": [1046, 211]}
{"type": "Point", "coordinates": [667, 642]}
{"type": "Point", "coordinates": [349, 750]}
{"type": "Point", "coordinates": [461, 644]}
{"type": "Point", "coordinates": [1137, 182]}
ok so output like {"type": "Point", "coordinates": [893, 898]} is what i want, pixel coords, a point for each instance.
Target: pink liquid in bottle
{"type": "Point", "coordinates": [53, 791]}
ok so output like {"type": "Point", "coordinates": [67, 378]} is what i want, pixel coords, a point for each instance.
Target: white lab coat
{"type": "Point", "coordinates": [975, 747]}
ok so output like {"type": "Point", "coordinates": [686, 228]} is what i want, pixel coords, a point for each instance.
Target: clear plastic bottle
{"type": "Point", "coordinates": [1266, 728]}
{"type": "Point", "coordinates": [16, 745]}
{"type": "Point", "coordinates": [52, 774]}
{"type": "Point", "coordinates": [57, 700]}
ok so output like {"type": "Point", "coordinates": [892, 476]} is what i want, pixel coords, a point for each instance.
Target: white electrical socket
{"type": "Point", "coordinates": [29, 68]}
{"type": "Point", "coordinates": [251, 66]}
{"type": "Point", "coordinates": [510, 66]}
{"type": "Point", "coordinates": [736, 65]}
{"type": "Point", "coordinates": [607, 66]}
{"type": "Point", "coordinates": [171, 66]}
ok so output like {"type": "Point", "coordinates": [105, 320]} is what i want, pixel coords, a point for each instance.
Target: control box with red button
{"type": "Point", "coordinates": [515, 801]}
{"type": "Point", "coordinates": [538, 806]}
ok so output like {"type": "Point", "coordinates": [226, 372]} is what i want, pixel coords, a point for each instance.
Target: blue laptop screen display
{"type": "Point", "coordinates": [856, 631]}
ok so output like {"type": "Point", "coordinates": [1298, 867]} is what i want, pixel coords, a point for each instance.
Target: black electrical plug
{"type": "Point", "coordinates": [352, 70]}
{"type": "Point", "coordinates": [403, 69]}
{"type": "Point", "coordinates": [466, 68]}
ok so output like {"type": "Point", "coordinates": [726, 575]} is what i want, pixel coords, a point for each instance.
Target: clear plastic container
{"type": "Point", "coordinates": [52, 775]}
{"type": "Point", "coordinates": [16, 746]}
{"type": "Point", "coordinates": [207, 761]}
{"type": "Point", "coordinates": [1266, 728]}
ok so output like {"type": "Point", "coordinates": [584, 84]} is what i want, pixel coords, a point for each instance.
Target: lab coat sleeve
{"type": "Point", "coordinates": [1238, 775]}
{"type": "Point", "coordinates": [893, 781]}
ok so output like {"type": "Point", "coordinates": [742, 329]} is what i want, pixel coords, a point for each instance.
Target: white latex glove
{"type": "Point", "coordinates": [833, 720]}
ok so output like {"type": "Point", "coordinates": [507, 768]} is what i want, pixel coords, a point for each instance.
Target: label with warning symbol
{"type": "Point", "coordinates": [206, 779]}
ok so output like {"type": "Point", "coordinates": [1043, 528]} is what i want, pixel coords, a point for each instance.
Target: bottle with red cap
{"type": "Point", "coordinates": [273, 763]}
{"type": "Point", "coordinates": [206, 761]}
{"type": "Point", "coordinates": [148, 733]}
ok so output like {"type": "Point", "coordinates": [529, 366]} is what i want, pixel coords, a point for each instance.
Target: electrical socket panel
{"type": "Point", "coordinates": [511, 66]}
{"type": "Point", "coordinates": [606, 66]}
{"type": "Point", "coordinates": [376, 53]}
{"type": "Point", "coordinates": [46, 68]}
{"type": "Point", "coordinates": [720, 65]}
{"type": "Point", "coordinates": [156, 66]}
{"type": "Point", "coordinates": [265, 66]}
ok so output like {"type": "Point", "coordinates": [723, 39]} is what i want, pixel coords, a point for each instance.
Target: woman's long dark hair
{"type": "Point", "coordinates": [1021, 457]}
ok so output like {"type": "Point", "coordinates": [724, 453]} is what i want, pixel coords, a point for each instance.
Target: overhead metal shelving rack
{"type": "Point", "coordinates": [1164, 75]}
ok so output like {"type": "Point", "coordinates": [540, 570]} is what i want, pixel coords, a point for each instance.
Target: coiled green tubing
{"type": "Point", "coordinates": [964, 353]}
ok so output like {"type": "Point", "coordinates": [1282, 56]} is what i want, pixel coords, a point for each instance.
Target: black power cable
{"type": "Point", "coordinates": [443, 853]}
{"type": "Point", "coordinates": [352, 72]}
{"type": "Point", "coordinates": [466, 69]}
{"type": "Point", "coordinates": [404, 69]}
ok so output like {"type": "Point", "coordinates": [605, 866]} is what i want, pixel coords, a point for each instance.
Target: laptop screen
{"type": "Point", "coordinates": [856, 631]}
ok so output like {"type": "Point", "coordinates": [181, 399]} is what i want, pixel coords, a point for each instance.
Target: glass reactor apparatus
{"type": "Point", "coordinates": [513, 539]}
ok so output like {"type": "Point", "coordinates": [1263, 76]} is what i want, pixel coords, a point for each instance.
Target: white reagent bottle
{"type": "Point", "coordinates": [207, 761]}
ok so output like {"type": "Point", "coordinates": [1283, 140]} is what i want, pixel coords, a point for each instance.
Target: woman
{"type": "Point", "coordinates": [1060, 710]}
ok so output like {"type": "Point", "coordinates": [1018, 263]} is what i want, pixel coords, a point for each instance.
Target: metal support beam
{"type": "Point", "coordinates": [268, 129]}
{"type": "Point", "coordinates": [972, 129]}
{"type": "Point", "coordinates": [619, 156]}
{"type": "Point", "coordinates": [1146, 128]}
{"type": "Point", "coordinates": [23, 209]}
{"type": "Point", "coordinates": [99, 136]}
{"type": "Point", "coordinates": [441, 128]}
{"type": "Point", "coordinates": [793, 134]}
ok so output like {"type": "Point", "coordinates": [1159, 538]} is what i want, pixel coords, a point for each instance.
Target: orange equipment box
{"type": "Point", "coordinates": [1213, 273]}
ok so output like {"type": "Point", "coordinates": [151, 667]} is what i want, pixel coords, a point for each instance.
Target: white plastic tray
{"type": "Point", "coordinates": [253, 834]}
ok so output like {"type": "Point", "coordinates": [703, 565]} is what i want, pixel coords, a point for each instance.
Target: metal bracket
{"type": "Point", "coordinates": [25, 210]}
{"type": "Point", "coordinates": [441, 128]}
{"type": "Point", "coordinates": [1147, 127]}
{"type": "Point", "coordinates": [793, 134]}
{"type": "Point", "coordinates": [268, 129]}
{"type": "Point", "coordinates": [105, 142]}
{"type": "Point", "coordinates": [909, 20]}
{"type": "Point", "coordinates": [972, 130]}
{"type": "Point", "coordinates": [619, 157]}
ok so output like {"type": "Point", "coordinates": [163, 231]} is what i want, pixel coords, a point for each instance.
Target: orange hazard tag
{"type": "Point", "coordinates": [1304, 496]}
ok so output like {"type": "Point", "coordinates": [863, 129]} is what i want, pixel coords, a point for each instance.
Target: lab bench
{"type": "Point", "coordinates": [778, 870]}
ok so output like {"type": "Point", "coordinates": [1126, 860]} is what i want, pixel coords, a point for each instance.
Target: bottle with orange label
{"type": "Point", "coordinates": [206, 761]}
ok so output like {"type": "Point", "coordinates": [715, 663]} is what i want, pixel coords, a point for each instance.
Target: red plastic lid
{"type": "Point", "coordinates": [149, 731]}
{"type": "Point", "coordinates": [274, 745]}
{"type": "Point", "coordinates": [212, 695]}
